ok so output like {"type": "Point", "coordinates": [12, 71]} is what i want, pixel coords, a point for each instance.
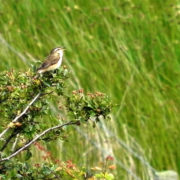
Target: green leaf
{"type": "Point", "coordinates": [28, 155]}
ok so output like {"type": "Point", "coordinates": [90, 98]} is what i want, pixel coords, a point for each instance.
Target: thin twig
{"type": "Point", "coordinates": [20, 115]}
{"type": "Point", "coordinates": [13, 134]}
{"type": "Point", "coordinates": [43, 94]}
{"type": "Point", "coordinates": [15, 142]}
{"type": "Point", "coordinates": [37, 137]}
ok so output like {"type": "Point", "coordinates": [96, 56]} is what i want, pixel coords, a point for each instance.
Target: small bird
{"type": "Point", "coordinates": [53, 61]}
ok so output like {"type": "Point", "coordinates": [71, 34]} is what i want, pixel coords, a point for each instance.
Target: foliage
{"type": "Point", "coordinates": [88, 107]}
{"type": "Point", "coordinates": [17, 88]}
{"type": "Point", "coordinates": [16, 91]}
{"type": "Point", "coordinates": [65, 170]}
{"type": "Point", "coordinates": [55, 169]}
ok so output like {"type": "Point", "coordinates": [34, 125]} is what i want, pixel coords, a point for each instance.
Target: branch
{"type": "Point", "coordinates": [13, 134]}
{"type": "Point", "coordinates": [20, 115]}
{"type": "Point", "coordinates": [37, 137]}
{"type": "Point", "coordinates": [15, 142]}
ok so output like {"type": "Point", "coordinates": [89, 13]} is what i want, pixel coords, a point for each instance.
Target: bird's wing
{"type": "Point", "coordinates": [49, 61]}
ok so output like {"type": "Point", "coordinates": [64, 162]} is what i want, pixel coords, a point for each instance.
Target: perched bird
{"type": "Point", "coordinates": [53, 61]}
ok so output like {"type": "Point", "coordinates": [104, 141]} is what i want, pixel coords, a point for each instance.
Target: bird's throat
{"type": "Point", "coordinates": [59, 61]}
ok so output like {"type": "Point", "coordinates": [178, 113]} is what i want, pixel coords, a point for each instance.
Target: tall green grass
{"type": "Point", "coordinates": [127, 49]}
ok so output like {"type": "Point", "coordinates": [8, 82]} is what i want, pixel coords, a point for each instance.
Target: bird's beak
{"type": "Point", "coordinates": [63, 49]}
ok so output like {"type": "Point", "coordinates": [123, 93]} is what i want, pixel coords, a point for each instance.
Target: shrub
{"type": "Point", "coordinates": [24, 102]}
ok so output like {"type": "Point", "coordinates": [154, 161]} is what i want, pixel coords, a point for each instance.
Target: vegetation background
{"type": "Point", "coordinates": [128, 49]}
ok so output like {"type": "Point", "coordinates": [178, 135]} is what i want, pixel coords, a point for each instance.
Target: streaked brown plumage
{"type": "Point", "coordinates": [53, 61]}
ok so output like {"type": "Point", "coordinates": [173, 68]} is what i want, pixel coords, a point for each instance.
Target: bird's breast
{"type": "Point", "coordinates": [59, 62]}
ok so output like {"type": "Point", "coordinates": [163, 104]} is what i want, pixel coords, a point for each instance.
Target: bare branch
{"type": "Point", "coordinates": [11, 136]}
{"type": "Point", "coordinates": [20, 115]}
{"type": "Point", "coordinates": [37, 137]}
{"type": "Point", "coordinates": [15, 142]}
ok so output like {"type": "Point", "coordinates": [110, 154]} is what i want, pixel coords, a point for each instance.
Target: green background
{"type": "Point", "coordinates": [128, 49]}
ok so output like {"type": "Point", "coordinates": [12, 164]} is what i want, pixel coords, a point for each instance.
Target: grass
{"type": "Point", "coordinates": [127, 49]}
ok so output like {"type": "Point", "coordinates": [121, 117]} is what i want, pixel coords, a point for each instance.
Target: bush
{"type": "Point", "coordinates": [24, 102]}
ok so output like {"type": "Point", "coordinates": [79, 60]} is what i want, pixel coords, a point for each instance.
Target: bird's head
{"type": "Point", "coordinates": [58, 50]}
